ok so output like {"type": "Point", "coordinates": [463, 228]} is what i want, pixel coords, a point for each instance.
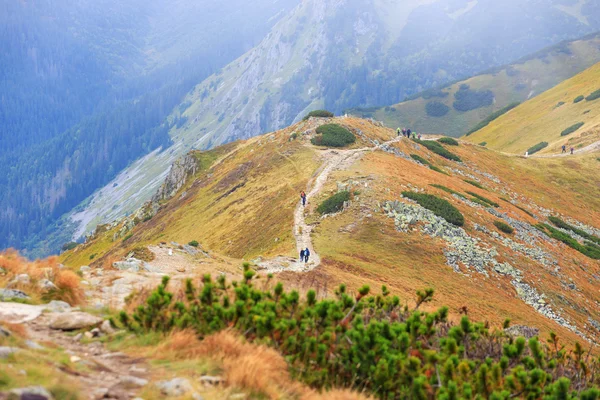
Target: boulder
{"type": "Point", "coordinates": [17, 313]}
{"type": "Point", "coordinates": [132, 381]}
{"type": "Point", "coordinates": [175, 387]}
{"type": "Point", "coordinates": [74, 320]}
{"type": "Point", "coordinates": [21, 279]}
{"type": "Point", "coordinates": [33, 345]}
{"type": "Point", "coordinates": [31, 392]}
{"type": "Point", "coordinates": [106, 327]}
{"type": "Point", "coordinates": [6, 294]}
{"type": "Point", "coordinates": [58, 306]}
{"type": "Point", "coordinates": [46, 285]}
{"type": "Point", "coordinates": [131, 264]}
{"type": "Point", "coordinates": [6, 351]}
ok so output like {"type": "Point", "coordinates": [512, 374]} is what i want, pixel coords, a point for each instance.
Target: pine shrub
{"type": "Point", "coordinates": [474, 183]}
{"type": "Point", "coordinates": [436, 109]}
{"type": "Point", "coordinates": [588, 250]}
{"type": "Point", "coordinates": [593, 96]}
{"type": "Point", "coordinates": [318, 114]}
{"type": "Point", "coordinates": [194, 243]}
{"type": "Point", "coordinates": [440, 207]}
{"type": "Point", "coordinates": [483, 144]}
{"type": "Point", "coordinates": [467, 99]}
{"type": "Point", "coordinates": [448, 141]}
{"type": "Point", "coordinates": [333, 135]}
{"type": "Point", "coordinates": [562, 224]}
{"type": "Point", "coordinates": [578, 99]}
{"type": "Point", "coordinates": [420, 159]}
{"type": "Point", "coordinates": [334, 203]}
{"type": "Point", "coordinates": [438, 149]}
{"type": "Point", "coordinates": [504, 227]}
{"type": "Point", "coordinates": [373, 343]}
{"type": "Point", "coordinates": [572, 129]}
{"type": "Point", "coordinates": [537, 147]}
{"type": "Point", "coordinates": [446, 189]}
{"type": "Point", "coordinates": [486, 202]}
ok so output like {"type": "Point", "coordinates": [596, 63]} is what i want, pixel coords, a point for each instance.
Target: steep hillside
{"type": "Point", "coordinates": [568, 115]}
{"type": "Point", "coordinates": [339, 54]}
{"type": "Point", "coordinates": [241, 202]}
{"type": "Point", "coordinates": [438, 111]}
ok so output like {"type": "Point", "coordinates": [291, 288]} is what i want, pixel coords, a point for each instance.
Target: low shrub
{"type": "Point", "coordinates": [474, 183]}
{"type": "Point", "coordinates": [493, 117]}
{"type": "Point", "coordinates": [420, 159]}
{"type": "Point", "coordinates": [446, 189]}
{"type": "Point", "coordinates": [194, 243]}
{"type": "Point", "coordinates": [572, 129]}
{"type": "Point", "coordinates": [562, 224]}
{"type": "Point", "coordinates": [436, 109]}
{"type": "Point", "coordinates": [437, 169]}
{"type": "Point", "coordinates": [592, 252]}
{"type": "Point", "coordinates": [373, 343]}
{"type": "Point", "coordinates": [333, 135]}
{"type": "Point", "coordinates": [334, 203]}
{"type": "Point", "coordinates": [593, 96]}
{"type": "Point", "coordinates": [448, 141]}
{"type": "Point", "coordinates": [578, 99]}
{"type": "Point", "coordinates": [318, 114]}
{"type": "Point", "coordinates": [485, 200]}
{"type": "Point", "coordinates": [438, 149]}
{"type": "Point", "coordinates": [69, 246]}
{"type": "Point", "coordinates": [128, 236]}
{"type": "Point", "coordinates": [440, 207]}
{"type": "Point", "coordinates": [534, 149]}
{"type": "Point", "coordinates": [559, 104]}
{"type": "Point", "coordinates": [504, 227]}
{"type": "Point", "coordinates": [483, 144]}
{"type": "Point", "coordinates": [467, 99]}
{"type": "Point", "coordinates": [143, 253]}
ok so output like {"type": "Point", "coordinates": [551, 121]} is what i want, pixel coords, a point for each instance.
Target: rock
{"type": "Point", "coordinates": [84, 269]}
{"type": "Point", "coordinates": [131, 264]}
{"type": "Point", "coordinates": [75, 359]}
{"type": "Point", "coordinates": [17, 313]}
{"type": "Point", "coordinates": [21, 279]}
{"type": "Point", "coordinates": [58, 306]}
{"type": "Point", "coordinates": [7, 294]}
{"type": "Point", "coordinates": [33, 345]}
{"type": "Point", "coordinates": [211, 380]}
{"type": "Point", "coordinates": [96, 332]}
{"type": "Point", "coordinates": [88, 335]}
{"type": "Point", "coordinates": [32, 393]}
{"type": "Point", "coordinates": [175, 387]}
{"type": "Point", "coordinates": [46, 285]}
{"type": "Point", "coordinates": [106, 327]}
{"type": "Point", "coordinates": [134, 369]}
{"type": "Point", "coordinates": [74, 320]}
{"type": "Point", "coordinates": [521, 330]}
{"type": "Point", "coordinates": [77, 337]}
{"type": "Point", "coordinates": [6, 351]}
{"type": "Point", "coordinates": [132, 381]}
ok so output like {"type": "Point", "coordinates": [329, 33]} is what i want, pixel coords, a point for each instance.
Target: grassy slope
{"type": "Point", "coordinates": [361, 245]}
{"type": "Point", "coordinates": [533, 76]}
{"type": "Point", "coordinates": [541, 120]}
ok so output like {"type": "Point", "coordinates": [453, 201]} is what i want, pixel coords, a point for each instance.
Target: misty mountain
{"type": "Point", "coordinates": [86, 87]}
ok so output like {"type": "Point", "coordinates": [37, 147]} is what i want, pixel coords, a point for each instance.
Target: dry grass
{"type": "Point", "coordinates": [66, 281]}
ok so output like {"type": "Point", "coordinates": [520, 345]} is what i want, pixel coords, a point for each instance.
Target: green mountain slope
{"type": "Point", "coordinates": [568, 114]}
{"type": "Point", "coordinates": [514, 83]}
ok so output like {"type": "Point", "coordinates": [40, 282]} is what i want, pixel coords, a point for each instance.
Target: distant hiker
{"type": "Point", "coordinates": [414, 135]}
{"type": "Point", "coordinates": [526, 154]}
{"type": "Point", "coordinates": [419, 136]}
{"type": "Point", "coordinates": [301, 255]}
{"type": "Point", "coordinates": [403, 131]}
{"type": "Point", "coordinates": [564, 148]}
{"type": "Point", "coordinates": [306, 254]}
{"type": "Point", "coordinates": [303, 197]}
{"type": "Point", "coordinates": [398, 131]}
{"type": "Point", "coordinates": [408, 133]}
{"type": "Point", "coordinates": [572, 150]}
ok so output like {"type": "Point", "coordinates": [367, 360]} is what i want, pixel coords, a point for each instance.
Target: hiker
{"type": "Point", "coordinates": [408, 133]}
{"type": "Point", "coordinates": [403, 132]}
{"type": "Point", "coordinates": [303, 197]}
{"type": "Point", "coordinates": [414, 135]}
{"type": "Point", "coordinates": [419, 136]}
{"type": "Point", "coordinates": [564, 148]}
{"type": "Point", "coordinates": [301, 255]}
{"type": "Point", "coordinates": [572, 150]}
{"type": "Point", "coordinates": [398, 131]}
{"type": "Point", "coordinates": [306, 254]}
{"type": "Point", "coordinates": [526, 154]}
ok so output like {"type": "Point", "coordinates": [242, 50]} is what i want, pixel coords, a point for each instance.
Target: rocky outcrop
{"type": "Point", "coordinates": [178, 175]}
{"type": "Point", "coordinates": [74, 320]}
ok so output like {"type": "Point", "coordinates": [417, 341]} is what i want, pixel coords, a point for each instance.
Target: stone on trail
{"type": "Point", "coordinates": [132, 381]}
{"type": "Point", "coordinates": [106, 327]}
{"type": "Point", "coordinates": [131, 264]}
{"type": "Point", "coordinates": [74, 320]}
{"type": "Point", "coordinates": [31, 392]}
{"type": "Point", "coordinates": [17, 313]}
{"type": "Point", "coordinates": [175, 387]}
{"type": "Point", "coordinates": [58, 306]}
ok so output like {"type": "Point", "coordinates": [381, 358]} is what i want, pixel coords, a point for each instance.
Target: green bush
{"type": "Point", "coordinates": [593, 96]}
{"type": "Point", "coordinates": [437, 169]}
{"type": "Point", "coordinates": [128, 236]}
{"type": "Point", "coordinates": [492, 117]}
{"type": "Point", "coordinates": [446, 189]}
{"type": "Point", "coordinates": [559, 104]}
{"type": "Point", "coordinates": [537, 147]}
{"type": "Point", "coordinates": [194, 243]}
{"type": "Point", "coordinates": [333, 135]}
{"type": "Point", "coordinates": [448, 141]}
{"type": "Point", "coordinates": [486, 201]}
{"type": "Point", "coordinates": [420, 159]}
{"type": "Point", "coordinates": [69, 246]}
{"type": "Point", "coordinates": [572, 129]}
{"type": "Point", "coordinates": [578, 99]}
{"type": "Point", "coordinates": [504, 227]}
{"type": "Point", "coordinates": [375, 344]}
{"type": "Point", "coordinates": [440, 207]}
{"type": "Point", "coordinates": [562, 224]}
{"type": "Point", "coordinates": [590, 251]}
{"type": "Point", "coordinates": [318, 114]}
{"type": "Point", "coordinates": [334, 204]}
{"type": "Point", "coordinates": [436, 109]}
{"type": "Point", "coordinates": [483, 144]}
{"type": "Point", "coordinates": [438, 149]}
{"type": "Point", "coordinates": [467, 99]}
{"type": "Point", "coordinates": [474, 183]}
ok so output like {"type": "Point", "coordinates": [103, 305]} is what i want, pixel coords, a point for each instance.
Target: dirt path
{"type": "Point", "coordinates": [587, 149]}
{"type": "Point", "coordinates": [333, 160]}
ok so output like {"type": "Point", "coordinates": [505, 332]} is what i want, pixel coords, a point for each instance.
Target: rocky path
{"type": "Point", "coordinates": [333, 160]}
